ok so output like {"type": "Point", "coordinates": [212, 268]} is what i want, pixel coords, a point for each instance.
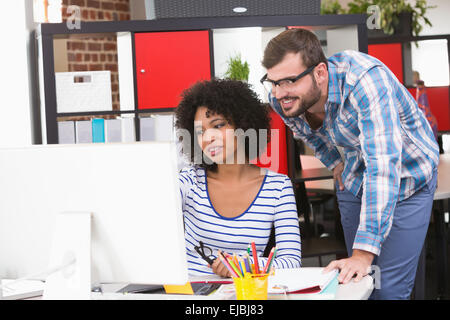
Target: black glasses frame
{"type": "Point", "coordinates": [201, 251]}
{"type": "Point", "coordinates": [292, 80]}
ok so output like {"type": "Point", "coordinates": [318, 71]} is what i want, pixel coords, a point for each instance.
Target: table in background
{"type": "Point", "coordinates": [313, 177]}
{"type": "Point", "coordinates": [442, 194]}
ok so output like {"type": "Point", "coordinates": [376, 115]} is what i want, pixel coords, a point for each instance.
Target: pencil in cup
{"type": "Point", "coordinates": [238, 266]}
{"type": "Point", "coordinates": [232, 260]}
{"type": "Point", "coordinates": [255, 257]}
{"type": "Point", "coordinates": [251, 286]}
{"type": "Point", "coordinates": [227, 264]}
{"type": "Point", "coordinates": [270, 259]}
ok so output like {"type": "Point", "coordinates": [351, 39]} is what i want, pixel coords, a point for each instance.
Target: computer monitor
{"type": "Point", "coordinates": [130, 190]}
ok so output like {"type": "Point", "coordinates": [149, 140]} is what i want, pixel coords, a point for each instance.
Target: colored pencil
{"type": "Point", "coordinates": [242, 265]}
{"type": "Point", "coordinates": [247, 262]}
{"type": "Point", "coordinates": [227, 264]}
{"type": "Point", "coordinates": [269, 260]}
{"type": "Point", "coordinates": [235, 260]}
{"type": "Point", "coordinates": [255, 257]}
{"type": "Point", "coordinates": [231, 263]}
{"type": "Point", "coordinates": [274, 256]}
{"type": "Point", "coordinates": [236, 263]}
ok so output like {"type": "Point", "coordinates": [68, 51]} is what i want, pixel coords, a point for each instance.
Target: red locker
{"type": "Point", "coordinates": [391, 55]}
{"type": "Point", "coordinates": [167, 63]}
{"type": "Point", "coordinates": [438, 98]}
{"type": "Point", "coordinates": [276, 162]}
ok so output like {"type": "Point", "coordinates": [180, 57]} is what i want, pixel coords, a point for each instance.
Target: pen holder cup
{"type": "Point", "coordinates": [251, 287]}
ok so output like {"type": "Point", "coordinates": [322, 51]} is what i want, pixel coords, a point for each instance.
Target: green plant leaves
{"type": "Point", "coordinates": [237, 70]}
{"type": "Point", "coordinates": [390, 9]}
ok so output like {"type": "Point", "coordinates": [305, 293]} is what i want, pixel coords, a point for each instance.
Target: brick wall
{"type": "Point", "coordinates": [97, 52]}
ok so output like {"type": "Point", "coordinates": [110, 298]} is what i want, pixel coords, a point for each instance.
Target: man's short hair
{"type": "Point", "coordinates": [294, 41]}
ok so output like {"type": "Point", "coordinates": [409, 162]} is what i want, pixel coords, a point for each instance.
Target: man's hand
{"type": "Point", "coordinates": [337, 175]}
{"type": "Point", "coordinates": [358, 264]}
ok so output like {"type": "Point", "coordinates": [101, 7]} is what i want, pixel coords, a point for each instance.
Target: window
{"type": "Point", "coordinates": [430, 58]}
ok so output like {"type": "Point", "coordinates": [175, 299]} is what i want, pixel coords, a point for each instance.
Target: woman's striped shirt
{"type": "Point", "coordinates": [274, 205]}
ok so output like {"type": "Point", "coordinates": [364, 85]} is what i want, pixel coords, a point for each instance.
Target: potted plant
{"type": "Point", "coordinates": [237, 69]}
{"type": "Point", "coordinates": [331, 7]}
{"type": "Point", "coordinates": [396, 16]}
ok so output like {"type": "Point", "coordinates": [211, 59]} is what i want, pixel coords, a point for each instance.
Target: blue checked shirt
{"type": "Point", "coordinates": [387, 145]}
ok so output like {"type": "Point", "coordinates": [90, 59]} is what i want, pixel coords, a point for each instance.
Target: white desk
{"type": "Point", "coordinates": [350, 291]}
{"type": "Point", "coordinates": [442, 193]}
{"type": "Point", "coordinates": [443, 187]}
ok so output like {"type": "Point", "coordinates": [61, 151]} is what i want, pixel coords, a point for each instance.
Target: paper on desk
{"type": "Point", "coordinates": [300, 280]}
{"type": "Point", "coordinates": [21, 289]}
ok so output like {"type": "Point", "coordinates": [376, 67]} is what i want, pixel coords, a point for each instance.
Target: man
{"type": "Point", "coordinates": [386, 176]}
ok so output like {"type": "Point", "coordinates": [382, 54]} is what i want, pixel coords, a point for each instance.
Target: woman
{"type": "Point", "coordinates": [227, 201]}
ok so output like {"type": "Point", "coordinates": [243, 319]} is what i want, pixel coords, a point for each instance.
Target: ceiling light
{"type": "Point", "coordinates": [240, 9]}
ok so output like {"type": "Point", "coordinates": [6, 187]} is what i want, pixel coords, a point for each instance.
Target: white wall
{"type": "Point", "coordinates": [438, 17]}
{"type": "Point", "coordinates": [244, 41]}
{"type": "Point", "coordinates": [250, 44]}
{"type": "Point", "coordinates": [126, 78]}
{"type": "Point", "coordinates": [430, 58]}
{"type": "Point", "coordinates": [15, 97]}
{"type": "Point", "coordinates": [340, 39]}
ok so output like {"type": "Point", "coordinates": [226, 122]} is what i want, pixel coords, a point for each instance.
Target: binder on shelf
{"type": "Point", "coordinates": [157, 128]}
{"type": "Point", "coordinates": [66, 132]}
{"type": "Point", "coordinates": [113, 130]}
{"type": "Point", "coordinates": [98, 130]}
{"type": "Point", "coordinates": [83, 131]}
{"type": "Point", "coordinates": [164, 128]}
{"type": "Point", "coordinates": [128, 129]}
{"type": "Point", "coordinates": [147, 129]}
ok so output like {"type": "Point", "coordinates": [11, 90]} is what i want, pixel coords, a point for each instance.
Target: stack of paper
{"type": "Point", "coordinates": [14, 290]}
{"type": "Point", "coordinates": [304, 283]}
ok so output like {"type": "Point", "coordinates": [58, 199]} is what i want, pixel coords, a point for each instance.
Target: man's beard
{"type": "Point", "coordinates": [305, 102]}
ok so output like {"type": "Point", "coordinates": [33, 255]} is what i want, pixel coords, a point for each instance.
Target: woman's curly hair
{"type": "Point", "coordinates": [232, 99]}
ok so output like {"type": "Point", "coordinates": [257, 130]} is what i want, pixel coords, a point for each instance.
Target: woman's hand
{"type": "Point", "coordinates": [219, 268]}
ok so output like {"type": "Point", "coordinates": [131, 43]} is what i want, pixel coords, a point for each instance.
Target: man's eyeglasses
{"type": "Point", "coordinates": [269, 85]}
{"type": "Point", "coordinates": [205, 253]}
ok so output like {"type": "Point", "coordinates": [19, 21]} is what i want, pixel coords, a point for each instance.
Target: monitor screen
{"type": "Point", "coordinates": [131, 191]}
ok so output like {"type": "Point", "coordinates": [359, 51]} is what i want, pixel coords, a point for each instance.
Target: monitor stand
{"type": "Point", "coordinates": [70, 258]}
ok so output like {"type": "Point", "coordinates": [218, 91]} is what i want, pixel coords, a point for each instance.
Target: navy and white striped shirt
{"type": "Point", "coordinates": [274, 205]}
{"type": "Point", "coordinates": [388, 145]}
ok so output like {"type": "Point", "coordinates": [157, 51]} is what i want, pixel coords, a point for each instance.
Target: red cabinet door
{"type": "Point", "coordinates": [275, 156]}
{"type": "Point", "coordinates": [167, 63]}
{"type": "Point", "coordinates": [438, 98]}
{"type": "Point", "coordinates": [391, 54]}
